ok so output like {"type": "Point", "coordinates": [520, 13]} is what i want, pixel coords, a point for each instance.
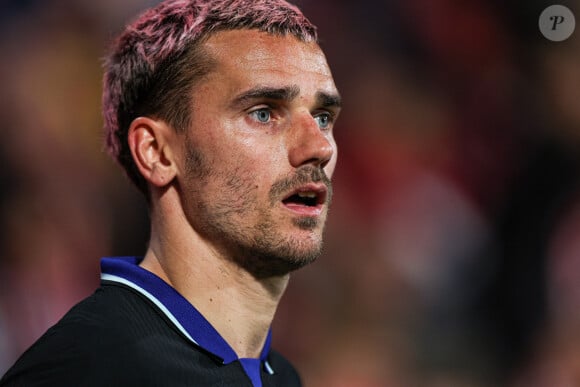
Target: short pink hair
{"type": "Point", "coordinates": [157, 59]}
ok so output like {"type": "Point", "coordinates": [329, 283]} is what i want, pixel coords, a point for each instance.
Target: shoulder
{"type": "Point", "coordinates": [104, 336]}
{"type": "Point", "coordinates": [114, 313]}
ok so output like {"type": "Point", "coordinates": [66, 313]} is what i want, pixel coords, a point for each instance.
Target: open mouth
{"type": "Point", "coordinates": [312, 196]}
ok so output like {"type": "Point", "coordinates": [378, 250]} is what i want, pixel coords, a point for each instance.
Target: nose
{"type": "Point", "coordinates": [309, 143]}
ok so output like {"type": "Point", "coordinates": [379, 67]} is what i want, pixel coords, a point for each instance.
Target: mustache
{"type": "Point", "coordinates": [304, 175]}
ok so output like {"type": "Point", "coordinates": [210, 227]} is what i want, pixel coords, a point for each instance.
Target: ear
{"type": "Point", "coordinates": [149, 141]}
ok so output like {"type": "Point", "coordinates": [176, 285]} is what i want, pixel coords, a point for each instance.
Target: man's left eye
{"type": "Point", "coordinates": [262, 115]}
{"type": "Point", "coordinates": [323, 120]}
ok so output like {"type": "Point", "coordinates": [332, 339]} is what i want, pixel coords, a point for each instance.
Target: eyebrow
{"type": "Point", "coordinates": [289, 93]}
{"type": "Point", "coordinates": [326, 100]}
{"type": "Point", "coordinates": [264, 92]}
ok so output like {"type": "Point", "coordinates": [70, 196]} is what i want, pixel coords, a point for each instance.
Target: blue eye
{"type": "Point", "coordinates": [262, 115]}
{"type": "Point", "coordinates": [323, 120]}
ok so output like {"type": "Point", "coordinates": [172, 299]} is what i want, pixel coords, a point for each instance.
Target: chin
{"type": "Point", "coordinates": [282, 259]}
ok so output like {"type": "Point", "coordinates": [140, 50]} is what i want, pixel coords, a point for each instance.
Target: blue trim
{"type": "Point", "coordinates": [252, 368]}
{"type": "Point", "coordinates": [200, 331]}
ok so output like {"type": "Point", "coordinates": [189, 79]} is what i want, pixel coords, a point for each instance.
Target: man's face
{"type": "Point", "coordinates": [257, 159]}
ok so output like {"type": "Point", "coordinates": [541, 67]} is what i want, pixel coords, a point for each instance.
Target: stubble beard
{"type": "Point", "coordinates": [260, 248]}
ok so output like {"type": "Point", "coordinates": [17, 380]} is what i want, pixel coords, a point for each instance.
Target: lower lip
{"type": "Point", "coordinates": [299, 209]}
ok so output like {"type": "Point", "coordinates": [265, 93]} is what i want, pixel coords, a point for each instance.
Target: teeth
{"type": "Point", "coordinates": [309, 195]}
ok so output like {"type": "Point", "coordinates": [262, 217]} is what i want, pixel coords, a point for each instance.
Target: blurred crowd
{"type": "Point", "coordinates": [452, 254]}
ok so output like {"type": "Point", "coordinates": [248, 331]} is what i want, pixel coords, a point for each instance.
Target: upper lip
{"type": "Point", "coordinates": [320, 190]}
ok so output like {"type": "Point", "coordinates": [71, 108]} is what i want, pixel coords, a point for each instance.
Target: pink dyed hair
{"type": "Point", "coordinates": [156, 61]}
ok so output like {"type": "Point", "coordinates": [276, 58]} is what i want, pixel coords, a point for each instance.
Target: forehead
{"type": "Point", "coordinates": [252, 56]}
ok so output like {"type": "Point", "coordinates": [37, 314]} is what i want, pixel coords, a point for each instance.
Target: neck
{"type": "Point", "coordinates": [238, 305]}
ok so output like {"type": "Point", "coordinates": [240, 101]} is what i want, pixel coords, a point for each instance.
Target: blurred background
{"type": "Point", "coordinates": [453, 247]}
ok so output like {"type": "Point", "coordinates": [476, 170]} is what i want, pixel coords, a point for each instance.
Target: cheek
{"type": "Point", "coordinates": [259, 156]}
{"type": "Point", "coordinates": [254, 164]}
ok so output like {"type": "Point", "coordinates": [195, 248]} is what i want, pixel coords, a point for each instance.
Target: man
{"type": "Point", "coordinates": [222, 114]}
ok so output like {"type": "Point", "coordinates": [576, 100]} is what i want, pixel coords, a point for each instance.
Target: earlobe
{"type": "Point", "coordinates": [151, 151]}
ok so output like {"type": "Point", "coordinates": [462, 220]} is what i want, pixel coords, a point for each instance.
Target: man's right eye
{"type": "Point", "coordinates": [262, 115]}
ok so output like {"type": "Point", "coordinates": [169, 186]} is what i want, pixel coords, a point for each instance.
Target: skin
{"type": "Point", "coordinates": [261, 129]}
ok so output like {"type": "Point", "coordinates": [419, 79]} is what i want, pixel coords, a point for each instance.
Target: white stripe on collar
{"type": "Point", "coordinates": [152, 298]}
